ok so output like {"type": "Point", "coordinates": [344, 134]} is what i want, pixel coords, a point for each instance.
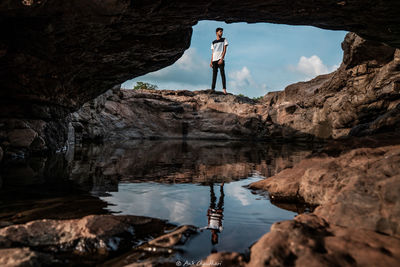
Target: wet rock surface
{"type": "Point", "coordinates": [157, 252]}
{"type": "Point", "coordinates": [86, 240]}
{"type": "Point", "coordinates": [92, 240]}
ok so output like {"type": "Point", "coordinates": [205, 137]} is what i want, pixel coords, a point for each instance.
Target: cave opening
{"type": "Point", "coordinates": [261, 58]}
{"type": "Point", "coordinates": [62, 57]}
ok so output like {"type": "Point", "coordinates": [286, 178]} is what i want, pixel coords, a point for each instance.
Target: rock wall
{"type": "Point", "coordinates": [361, 97]}
{"type": "Point", "coordinates": [155, 114]}
{"type": "Point", "coordinates": [21, 138]}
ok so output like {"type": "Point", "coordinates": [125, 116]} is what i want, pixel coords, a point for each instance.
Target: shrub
{"type": "Point", "coordinates": [258, 98]}
{"type": "Point", "coordinates": [146, 86]}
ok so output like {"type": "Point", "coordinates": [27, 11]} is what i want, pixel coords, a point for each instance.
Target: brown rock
{"type": "Point", "coordinates": [171, 114]}
{"type": "Point", "coordinates": [24, 257]}
{"type": "Point", "coordinates": [308, 240]}
{"type": "Point", "coordinates": [91, 234]}
{"type": "Point", "coordinates": [33, 135]}
{"type": "Point", "coordinates": [357, 187]}
{"type": "Point", "coordinates": [222, 259]}
{"type": "Point", "coordinates": [22, 137]}
{"type": "Point", "coordinates": [359, 98]}
{"type": "Point", "coordinates": [156, 252]}
{"type": "Point", "coordinates": [173, 238]}
{"type": "Point", "coordinates": [358, 52]}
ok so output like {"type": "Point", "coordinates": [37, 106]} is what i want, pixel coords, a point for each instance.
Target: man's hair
{"type": "Point", "coordinates": [219, 29]}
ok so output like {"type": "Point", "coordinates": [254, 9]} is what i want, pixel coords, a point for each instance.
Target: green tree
{"type": "Point", "coordinates": [147, 86]}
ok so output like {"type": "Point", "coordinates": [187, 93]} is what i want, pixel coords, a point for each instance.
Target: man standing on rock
{"type": "Point", "coordinates": [218, 48]}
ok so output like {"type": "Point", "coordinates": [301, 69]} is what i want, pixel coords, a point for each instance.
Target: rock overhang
{"type": "Point", "coordinates": [67, 53]}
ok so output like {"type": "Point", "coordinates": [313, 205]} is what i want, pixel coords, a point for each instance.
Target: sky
{"type": "Point", "coordinates": [260, 58]}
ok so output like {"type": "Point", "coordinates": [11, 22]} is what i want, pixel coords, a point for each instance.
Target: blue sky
{"type": "Point", "coordinates": [260, 58]}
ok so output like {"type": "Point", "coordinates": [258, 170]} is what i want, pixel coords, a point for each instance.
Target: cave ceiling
{"type": "Point", "coordinates": [64, 53]}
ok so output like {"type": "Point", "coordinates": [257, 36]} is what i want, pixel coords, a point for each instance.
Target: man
{"type": "Point", "coordinates": [218, 47]}
{"type": "Point", "coordinates": [215, 214]}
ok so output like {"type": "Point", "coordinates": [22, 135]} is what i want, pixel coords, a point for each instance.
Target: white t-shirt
{"type": "Point", "coordinates": [215, 221]}
{"type": "Point", "coordinates": [217, 47]}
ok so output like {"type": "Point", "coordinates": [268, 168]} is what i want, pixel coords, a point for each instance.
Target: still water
{"type": "Point", "coordinates": [181, 182]}
{"type": "Point", "coordinates": [246, 217]}
{"type": "Point", "coordinates": [191, 182]}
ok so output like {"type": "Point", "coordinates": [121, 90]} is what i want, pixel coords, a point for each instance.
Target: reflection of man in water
{"type": "Point", "coordinates": [215, 214]}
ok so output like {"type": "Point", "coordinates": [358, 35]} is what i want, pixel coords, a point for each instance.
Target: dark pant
{"type": "Point", "coordinates": [215, 72]}
{"type": "Point", "coordinates": [213, 198]}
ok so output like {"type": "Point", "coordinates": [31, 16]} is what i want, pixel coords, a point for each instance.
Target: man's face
{"type": "Point", "coordinates": [219, 33]}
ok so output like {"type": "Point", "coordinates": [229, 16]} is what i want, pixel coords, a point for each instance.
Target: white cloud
{"type": "Point", "coordinates": [240, 194]}
{"type": "Point", "coordinates": [241, 78]}
{"type": "Point", "coordinates": [241, 81]}
{"type": "Point", "coordinates": [190, 71]}
{"type": "Point", "coordinates": [311, 67]}
{"type": "Point", "coordinates": [191, 61]}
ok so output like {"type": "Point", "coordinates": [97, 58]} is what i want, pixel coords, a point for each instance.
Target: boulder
{"type": "Point", "coordinates": [22, 137]}
{"type": "Point", "coordinates": [360, 186]}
